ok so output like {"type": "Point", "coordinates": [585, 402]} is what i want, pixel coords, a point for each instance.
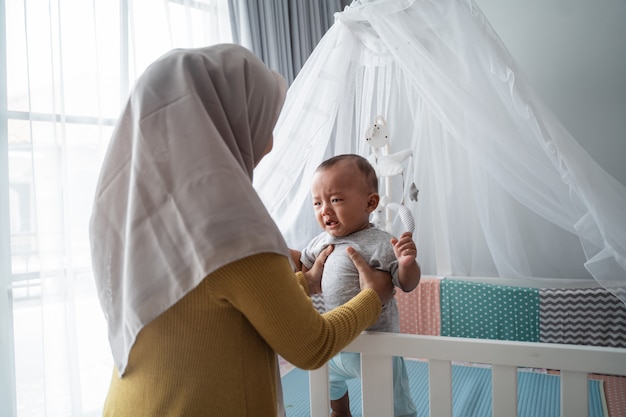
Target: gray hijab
{"type": "Point", "coordinates": [175, 201]}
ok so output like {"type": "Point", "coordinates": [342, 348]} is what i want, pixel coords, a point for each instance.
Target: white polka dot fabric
{"type": "Point", "coordinates": [419, 309]}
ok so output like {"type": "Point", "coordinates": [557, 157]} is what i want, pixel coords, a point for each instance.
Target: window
{"type": "Point", "coordinates": [69, 67]}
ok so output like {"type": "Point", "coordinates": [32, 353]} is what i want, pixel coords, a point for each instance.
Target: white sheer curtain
{"type": "Point", "coordinates": [69, 66]}
{"type": "Point", "coordinates": [504, 189]}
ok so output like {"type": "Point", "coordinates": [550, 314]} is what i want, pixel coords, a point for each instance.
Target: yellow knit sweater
{"type": "Point", "coordinates": [214, 352]}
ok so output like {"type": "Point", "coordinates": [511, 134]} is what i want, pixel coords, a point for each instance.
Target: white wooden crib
{"type": "Point", "coordinates": [573, 361]}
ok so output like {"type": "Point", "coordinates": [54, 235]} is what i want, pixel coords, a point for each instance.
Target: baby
{"type": "Point", "coordinates": [345, 192]}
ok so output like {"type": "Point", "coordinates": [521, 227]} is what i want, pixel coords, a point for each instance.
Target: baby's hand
{"type": "Point", "coordinates": [404, 249]}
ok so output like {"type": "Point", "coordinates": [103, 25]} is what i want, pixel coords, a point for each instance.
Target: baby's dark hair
{"type": "Point", "coordinates": [362, 164]}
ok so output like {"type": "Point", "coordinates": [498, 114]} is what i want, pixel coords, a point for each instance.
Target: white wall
{"type": "Point", "coordinates": [574, 53]}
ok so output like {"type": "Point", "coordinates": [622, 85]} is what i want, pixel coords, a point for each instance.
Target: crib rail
{"type": "Point", "coordinates": [574, 362]}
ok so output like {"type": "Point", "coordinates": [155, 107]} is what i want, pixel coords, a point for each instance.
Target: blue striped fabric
{"type": "Point", "coordinates": [538, 393]}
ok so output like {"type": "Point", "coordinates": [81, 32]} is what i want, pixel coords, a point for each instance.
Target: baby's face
{"type": "Point", "coordinates": [341, 200]}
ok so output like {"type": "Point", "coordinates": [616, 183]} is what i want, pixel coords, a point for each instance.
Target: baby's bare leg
{"type": "Point", "coordinates": [341, 407]}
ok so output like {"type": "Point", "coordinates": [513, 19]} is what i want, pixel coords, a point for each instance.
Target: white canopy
{"type": "Point", "coordinates": [504, 189]}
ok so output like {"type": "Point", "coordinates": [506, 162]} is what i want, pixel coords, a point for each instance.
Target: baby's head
{"type": "Point", "coordinates": [345, 192]}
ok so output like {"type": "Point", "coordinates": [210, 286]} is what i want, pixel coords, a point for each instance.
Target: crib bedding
{"type": "Point", "coordinates": [538, 392]}
{"type": "Point", "coordinates": [615, 393]}
{"type": "Point", "coordinates": [462, 308]}
{"type": "Point", "coordinates": [583, 316]}
{"type": "Point", "coordinates": [420, 308]}
{"type": "Point", "coordinates": [488, 311]}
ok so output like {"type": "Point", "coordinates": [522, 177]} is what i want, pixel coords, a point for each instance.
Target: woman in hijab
{"type": "Point", "coordinates": [193, 275]}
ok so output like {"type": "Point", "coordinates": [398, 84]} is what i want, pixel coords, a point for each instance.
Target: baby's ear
{"type": "Point", "coordinates": [372, 202]}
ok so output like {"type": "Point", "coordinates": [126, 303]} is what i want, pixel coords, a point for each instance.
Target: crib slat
{"type": "Point", "coordinates": [574, 362]}
{"type": "Point", "coordinates": [440, 382]}
{"type": "Point", "coordinates": [574, 394]}
{"type": "Point", "coordinates": [376, 385]}
{"type": "Point", "coordinates": [504, 391]}
{"type": "Point", "coordinates": [319, 392]}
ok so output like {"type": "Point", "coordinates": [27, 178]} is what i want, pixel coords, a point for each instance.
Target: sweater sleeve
{"type": "Point", "coordinates": [264, 289]}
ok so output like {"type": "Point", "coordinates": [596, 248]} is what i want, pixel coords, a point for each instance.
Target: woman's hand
{"type": "Point", "coordinates": [295, 258]}
{"type": "Point", "coordinates": [314, 275]}
{"type": "Point", "coordinates": [379, 281]}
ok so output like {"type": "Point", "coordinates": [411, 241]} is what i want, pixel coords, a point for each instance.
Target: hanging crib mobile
{"type": "Point", "coordinates": [388, 165]}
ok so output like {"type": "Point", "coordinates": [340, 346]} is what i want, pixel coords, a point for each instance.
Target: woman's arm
{"type": "Point", "coordinates": [264, 289]}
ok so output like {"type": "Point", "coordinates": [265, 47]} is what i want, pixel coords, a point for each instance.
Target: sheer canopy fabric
{"type": "Point", "coordinates": [504, 189]}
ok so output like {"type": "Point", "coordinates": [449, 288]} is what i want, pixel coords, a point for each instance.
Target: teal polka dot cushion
{"type": "Point", "coordinates": [487, 311]}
